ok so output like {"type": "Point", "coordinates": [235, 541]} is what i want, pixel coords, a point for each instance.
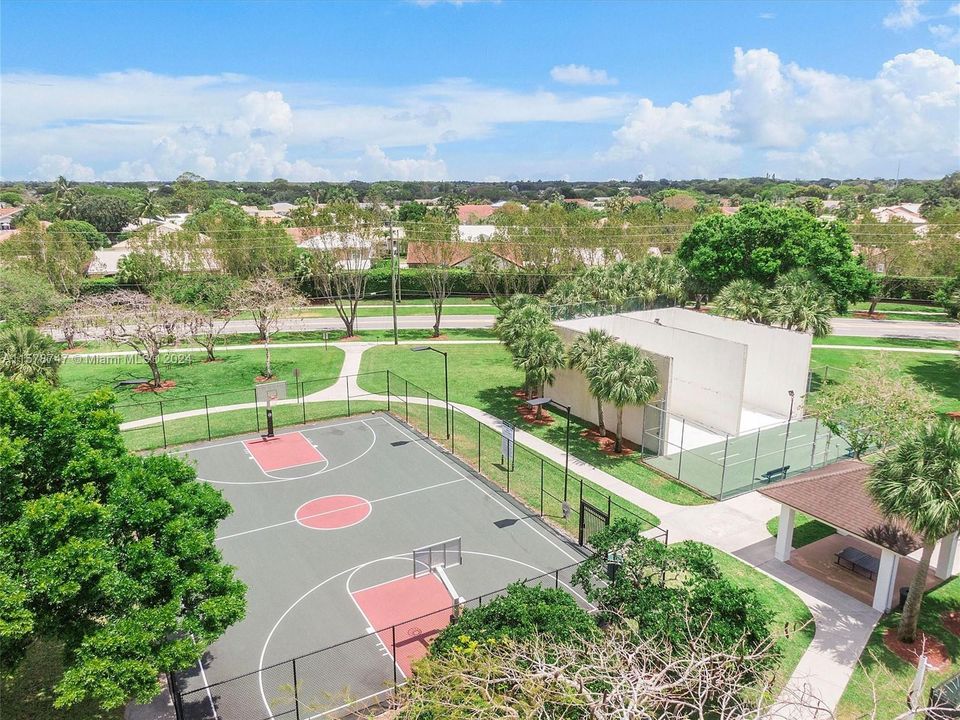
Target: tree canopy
{"type": "Point", "coordinates": [762, 242]}
{"type": "Point", "coordinates": [110, 554]}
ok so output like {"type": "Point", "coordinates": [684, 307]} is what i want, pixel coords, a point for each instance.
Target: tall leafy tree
{"type": "Point", "coordinates": [586, 354]}
{"type": "Point", "coordinates": [624, 376]}
{"type": "Point", "coordinates": [107, 213]}
{"type": "Point", "coordinates": [107, 554]}
{"type": "Point", "coordinates": [28, 354]}
{"type": "Point", "coordinates": [918, 481]}
{"type": "Point", "coordinates": [761, 242]}
{"type": "Point", "coordinates": [62, 259]}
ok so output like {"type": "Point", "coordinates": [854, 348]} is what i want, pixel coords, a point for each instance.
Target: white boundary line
{"type": "Point", "coordinates": [404, 558]}
{"type": "Point", "coordinates": [208, 446]}
{"type": "Point", "coordinates": [370, 502]}
{"type": "Point", "coordinates": [363, 503]}
{"type": "Point", "coordinates": [302, 477]}
{"type": "Point", "coordinates": [323, 458]}
{"type": "Point", "coordinates": [526, 521]}
{"type": "Point", "coordinates": [203, 675]}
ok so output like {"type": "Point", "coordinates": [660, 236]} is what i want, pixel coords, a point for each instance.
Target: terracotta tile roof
{"type": "Point", "coordinates": [836, 495]}
{"type": "Point", "coordinates": [479, 212]}
{"type": "Point", "coordinates": [425, 253]}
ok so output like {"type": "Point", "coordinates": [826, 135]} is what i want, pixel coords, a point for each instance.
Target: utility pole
{"type": "Point", "coordinates": [394, 273]}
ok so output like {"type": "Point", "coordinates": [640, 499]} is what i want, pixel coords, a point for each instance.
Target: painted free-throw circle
{"type": "Point", "coordinates": [333, 512]}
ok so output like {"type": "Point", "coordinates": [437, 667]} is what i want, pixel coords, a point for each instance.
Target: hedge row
{"type": "Point", "coordinates": [910, 288]}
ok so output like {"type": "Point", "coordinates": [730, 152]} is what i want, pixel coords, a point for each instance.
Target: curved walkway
{"type": "Point", "coordinates": [736, 526]}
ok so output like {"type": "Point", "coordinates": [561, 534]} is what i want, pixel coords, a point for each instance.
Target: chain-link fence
{"type": "Point", "coordinates": [339, 680]}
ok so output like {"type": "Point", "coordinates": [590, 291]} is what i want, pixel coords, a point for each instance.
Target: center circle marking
{"type": "Point", "coordinates": [333, 512]}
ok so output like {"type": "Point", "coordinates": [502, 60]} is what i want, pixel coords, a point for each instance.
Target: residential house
{"type": "Point", "coordinates": [459, 255]}
{"type": "Point", "coordinates": [352, 251]}
{"type": "Point", "coordinates": [471, 213]}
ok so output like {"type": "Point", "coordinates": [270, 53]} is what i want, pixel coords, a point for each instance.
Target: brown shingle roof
{"type": "Point", "coordinates": [453, 254]}
{"type": "Point", "coordinates": [836, 495]}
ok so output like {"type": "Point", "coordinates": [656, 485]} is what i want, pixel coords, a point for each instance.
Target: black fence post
{"type": "Point", "coordinates": [428, 414]}
{"type": "Point", "coordinates": [479, 455]}
{"type": "Point", "coordinates": [206, 411]}
{"type": "Point", "coordinates": [453, 432]}
{"type": "Point", "coordinates": [296, 694]}
{"type": "Point", "coordinates": [256, 408]}
{"type": "Point", "coordinates": [163, 426]}
{"type": "Point", "coordinates": [388, 390]}
{"type": "Point", "coordinates": [393, 632]}
{"type": "Point", "coordinates": [541, 487]}
{"type": "Point", "coordinates": [508, 474]}
{"type": "Point", "coordinates": [406, 399]}
{"type": "Point", "coordinates": [303, 401]}
{"type": "Point", "coordinates": [556, 579]}
{"type": "Point", "coordinates": [175, 696]}
{"type": "Point", "coordinates": [346, 382]}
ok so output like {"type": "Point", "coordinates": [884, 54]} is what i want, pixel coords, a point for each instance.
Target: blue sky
{"type": "Point", "coordinates": [478, 90]}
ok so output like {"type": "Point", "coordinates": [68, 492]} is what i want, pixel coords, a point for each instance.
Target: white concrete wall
{"type": "Point", "coordinates": [571, 388]}
{"type": "Point", "coordinates": [707, 373]}
{"type": "Point", "coordinates": [778, 360]}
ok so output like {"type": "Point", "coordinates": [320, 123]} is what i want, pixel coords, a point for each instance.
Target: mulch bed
{"type": "Point", "coordinates": [73, 350]}
{"type": "Point", "coordinates": [938, 657]}
{"type": "Point", "coordinates": [529, 414]}
{"type": "Point", "coordinates": [951, 621]}
{"type": "Point", "coordinates": [606, 443]}
{"type": "Point", "coordinates": [348, 338]}
{"type": "Point", "coordinates": [164, 386]}
{"type": "Point", "coordinates": [262, 379]}
{"type": "Point", "coordinates": [869, 316]}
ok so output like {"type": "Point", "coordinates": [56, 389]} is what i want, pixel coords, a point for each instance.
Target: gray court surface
{"type": "Point", "coordinates": [301, 580]}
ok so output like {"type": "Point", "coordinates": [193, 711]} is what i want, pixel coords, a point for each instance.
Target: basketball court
{"type": "Point", "coordinates": [360, 536]}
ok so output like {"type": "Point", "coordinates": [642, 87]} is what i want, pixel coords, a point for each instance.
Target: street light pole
{"type": "Point", "coordinates": [786, 438]}
{"type": "Point", "coordinates": [446, 382]}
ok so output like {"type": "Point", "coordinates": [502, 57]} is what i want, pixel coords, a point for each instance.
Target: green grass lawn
{"type": "Point", "coordinates": [891, 674]}
{"type": "Point", "coordinates": [898, 306]}
{"type": "Point", "coordinates": [805, 529]}
{"type": "Point", "coordinates": [227, 381]}
{"type": "Point", "coordinates": [938, 373]}
{"type": "Point", "coordinates": [484, 377]}
{"type": "Point", "coordinates": [919, 343]}
{"type": "Point", "coordinates": [27, 694]}
{"type": "Point", "coordinates": [788, 611]}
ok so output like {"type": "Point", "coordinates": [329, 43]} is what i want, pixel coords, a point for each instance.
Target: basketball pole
{"type": "Point", "coordinates": [270, 399]}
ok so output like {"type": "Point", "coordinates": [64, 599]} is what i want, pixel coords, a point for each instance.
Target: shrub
{"type": "Point", "coordinates": [523, 612]}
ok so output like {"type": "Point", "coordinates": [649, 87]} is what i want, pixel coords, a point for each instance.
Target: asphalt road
{"type": "Point", "coordinates": [856, 327]}
{"type": "Point", "coordinates": [859, 327]}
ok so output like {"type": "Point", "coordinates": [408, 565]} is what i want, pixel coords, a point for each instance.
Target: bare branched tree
{"type": "Point", "coordinates": [435, 278]}
{"type": "Point", "coordinates": [141, 323]}
{"type": "Point", "coordinates": [73, 321]}
{"type": "Point", "coordinates": [613, 676]}
{"type": "Point", "coordinates": [206, 328]}
{"type": "Point", "coordinates": [269, 300]}
{"type": "Point", "coordinates": [337, 263]}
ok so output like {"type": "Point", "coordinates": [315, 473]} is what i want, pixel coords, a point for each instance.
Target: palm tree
{"type": "Point", "coordinates": [539, 353]}
{"type": "Point", "coordinates": [563, 299]}
{"type": "Point", "coordinates": [743, 300]}
{"type": "Point", "coordinates": [148, 206]}
{"type": "Point", "coordinates": [585, 355]}
{"type": "Point", "coordinates": [61, 187]}
{"type": "Point", "coordinates": [918, 481]}
{"type": "Point", "coordinates": [69, 204]}
{"type": "Point", "coordinates": [624, 376]}
{"type": "Point", "coordinates": [518, 323]}
{"type": "Point", "coordinates": [28, 354]}
{"type": "Point", "coordinates": [802, 305]}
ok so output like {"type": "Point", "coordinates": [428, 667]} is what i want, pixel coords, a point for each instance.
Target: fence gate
{"type": "Point", "coordinates": [592, 519]}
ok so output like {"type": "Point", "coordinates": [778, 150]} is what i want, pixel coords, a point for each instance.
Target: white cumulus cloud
{"type": "Point", "coordinates": [802, 122]}
{"type": "Point", "coordinates": [581, 75]}
{"type": "Point", "coordinates": [905, 16]}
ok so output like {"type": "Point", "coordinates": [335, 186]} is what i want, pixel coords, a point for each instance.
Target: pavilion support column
{"type": "Point", "coordinates": [886, 580]}
{"type": "Point", "coordinates": [947, 559]}
{"type": "Point", "coordinates": [785, 533]}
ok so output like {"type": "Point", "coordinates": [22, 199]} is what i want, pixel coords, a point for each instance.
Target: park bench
{"type": "Point", "coordinates": [779, 473]}
{"type": "Point", "coordinates": [859, 562]}
{"type": "Point", "coordinates": [125, 383]}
